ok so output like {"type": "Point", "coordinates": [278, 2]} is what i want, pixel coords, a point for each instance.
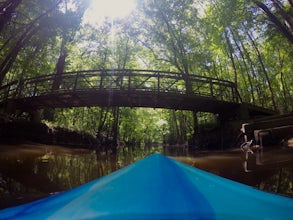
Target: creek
{"type": "Point", "coordinates": [33, 171]}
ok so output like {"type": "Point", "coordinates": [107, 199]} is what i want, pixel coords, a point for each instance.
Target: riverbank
{"type": "Point", "coordinates": [18, 129]}
{"type": "Point", "coordinates": [21, 130]}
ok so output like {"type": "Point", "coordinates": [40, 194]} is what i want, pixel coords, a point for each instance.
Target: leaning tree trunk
{"type": "Point", "coordinates": [29, 32]}
{"type": "Point", "coordinates": [60, 66]}
{"type": "Point", "coordinates": [245, 66]}
{"type": "Point", "coordinates": [7, 63]}
{"type": "Point", "coordinates": [231, 56]}
{"type": "Point", "coordinates": [287, 18]}
{"type": "Point", "coordinates": [252, 70]}
{"type": "Point", "coordinates": [280, 25]}
{"type": "Point", "coordinates": [264, 70]}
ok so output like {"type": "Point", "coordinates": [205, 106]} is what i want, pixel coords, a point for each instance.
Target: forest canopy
{"type": "Point", "coordinates": [246, 42]}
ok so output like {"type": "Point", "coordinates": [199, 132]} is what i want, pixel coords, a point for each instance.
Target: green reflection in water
{"type": "Point", "coordinates": [58, 171]}
{"type": "Point", "coordinates": [68, 170]}
{"type": "Point", "coordinates": [281, 182]}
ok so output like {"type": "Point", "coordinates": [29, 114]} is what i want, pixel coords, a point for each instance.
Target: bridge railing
{"type": "Point", "coordinates": [121, 80]}
{"type": "Point", "coordinates": [8, 91]}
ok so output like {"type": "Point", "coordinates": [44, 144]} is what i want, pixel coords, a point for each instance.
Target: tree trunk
{"type": "Point", "coordinates": [60, 66]}
{"type": "Point", "coordinates": [175, 125]}
{"type": "Point", "coordinates": [284, 93]}
{"type": "Point", "coordinates": [30, 30]}
{"type": "Point", "coordinates": [230, 52]}
{"type": "Point", "coordinates": [11, 57]}
{"type": "Point", "coordinates": [115, 129]}
{"type": "Point", "coordinates": [102, 121]}
{"type": "Point", "coordinates": [246, 68]}
{"type": "Point", "coordinates": [251, 64]}
{"type": "Point", "coordinates": [264, 70]}
{"type": "Point", "coordinates": [183, 127]}
{"type": "Point", "coordinates": [195, 137]}
{"type": "Point", "coordinates": [287, 19]}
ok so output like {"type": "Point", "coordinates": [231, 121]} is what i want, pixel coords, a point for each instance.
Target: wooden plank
{"type": "Point", "coordinates": [277, 122]}
{"type": "Point", "coordinates": [268, 123]}
{"type": "Point", "coordinates": [276, 134]}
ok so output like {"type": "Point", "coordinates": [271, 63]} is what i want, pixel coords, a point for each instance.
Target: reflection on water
{"type": "Point", "coordinates": [29, 172]}
{"type": "Point", "coordinates": [280, 182]}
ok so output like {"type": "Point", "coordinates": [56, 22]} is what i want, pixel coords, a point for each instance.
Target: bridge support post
{"type": "Point", "coordinates": [9, 108]}
{"type": "Point", "coordinates": [243, 113]}
{"type": "Point", "coordinates": [48, 114]}
{"type": "Point", "coordinates": [35, 116]}
{"type": "Point", "coordinates": [222, 123]}
{"type": "Point", "coordinates": [195, 135]}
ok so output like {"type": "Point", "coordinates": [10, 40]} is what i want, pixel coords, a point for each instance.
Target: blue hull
{"type": "Point", "coordinates": [157, 187]}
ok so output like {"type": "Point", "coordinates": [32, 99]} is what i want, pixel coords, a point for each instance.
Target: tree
{"type": "Point", "coordinates": [27, 31]}
{"type": "Point", "coordinates": [71, 21]}
{"type": "Point", "coordinates": [174, 36]}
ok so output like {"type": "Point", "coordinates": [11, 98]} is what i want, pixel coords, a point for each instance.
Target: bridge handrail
{"type": "Point", "coordinates": [130, 72]}
{"type": "Point", "coordinates": [204, 86]}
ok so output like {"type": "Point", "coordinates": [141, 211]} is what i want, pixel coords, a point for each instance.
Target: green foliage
{"type": "Point", "coordinates": [142, 125]}
{"type": "Point", "coordinates": [232, 40]}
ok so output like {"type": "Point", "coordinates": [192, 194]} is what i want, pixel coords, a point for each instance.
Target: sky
{"type": "Point", "coordinates": [99, 9]}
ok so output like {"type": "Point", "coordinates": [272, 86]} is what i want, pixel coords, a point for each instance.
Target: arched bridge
{"type": "Point", "coordinates": [121, 87]}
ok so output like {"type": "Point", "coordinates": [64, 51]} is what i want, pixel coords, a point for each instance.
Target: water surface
{"type": "Point", "coordinates": [31, 171]}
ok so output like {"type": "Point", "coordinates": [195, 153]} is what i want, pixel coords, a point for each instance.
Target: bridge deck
{"type": "Point", "coordinates": [108, 98]}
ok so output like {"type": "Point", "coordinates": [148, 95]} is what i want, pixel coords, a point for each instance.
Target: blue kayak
{"type": "Point", "coordinates": [157, 187]}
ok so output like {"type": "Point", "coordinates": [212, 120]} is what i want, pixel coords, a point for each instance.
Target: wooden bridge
{"type": "Point", "coordinates": [124, 87]}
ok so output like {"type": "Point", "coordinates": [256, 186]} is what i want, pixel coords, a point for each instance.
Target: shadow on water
{"type": "Point", "coordinates": [30, 171]}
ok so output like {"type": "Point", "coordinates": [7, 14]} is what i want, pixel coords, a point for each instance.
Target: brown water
{"type": "Point", "coordinates": [30, 171]}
